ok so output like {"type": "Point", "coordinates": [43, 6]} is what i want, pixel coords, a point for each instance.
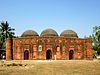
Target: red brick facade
{"type": "Point", "coordinates": [48, 47]}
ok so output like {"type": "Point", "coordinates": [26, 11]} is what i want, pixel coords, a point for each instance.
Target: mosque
{"type": "Point", "coordinates": [48, 46]}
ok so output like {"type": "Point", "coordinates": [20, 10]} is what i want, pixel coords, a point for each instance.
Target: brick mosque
{"type": "Point", "coordinates": [49, 45]}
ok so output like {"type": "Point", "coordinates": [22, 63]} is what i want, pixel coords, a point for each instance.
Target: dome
{"type": "Point", "coordinates": [69, 34]}
{"type": "Point", "coordinates": [49, 32]}
{"type": "Point", "coordinates": [29, 33]}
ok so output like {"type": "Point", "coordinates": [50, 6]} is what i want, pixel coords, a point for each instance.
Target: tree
{"type": "Point", "coordinates": [96, 39]}
{"type": "Point", "coordinates": [5, 32]}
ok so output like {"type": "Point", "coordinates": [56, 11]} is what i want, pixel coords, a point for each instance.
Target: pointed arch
{"type": "Point", "coordinates": [71, 54]}
{"type": "Point", "coordinates": [26, 55]}
{"type": "Point", "coordinates": [48, 54]}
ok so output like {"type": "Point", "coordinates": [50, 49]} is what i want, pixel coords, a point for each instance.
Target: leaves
{"type": "Point", "coordinates": [96, 35]}
{"type": "Point", "coordinates": [96, 39]}
{"type": "Point", "coordinates": [5, 32]}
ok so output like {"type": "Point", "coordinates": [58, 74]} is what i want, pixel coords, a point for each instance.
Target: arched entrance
{"type": "Point", "coordinates": [48, 54]}
{"type": "Point", "coordinates": [71, 54]}
{"type": "Point", "coordinates": [26, 55]}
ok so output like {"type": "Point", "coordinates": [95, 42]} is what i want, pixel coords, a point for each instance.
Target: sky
{"type": "Point", "coordinates": [78, 15]}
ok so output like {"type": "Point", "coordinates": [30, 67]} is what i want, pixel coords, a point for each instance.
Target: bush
{"type": "Point", "coordinates": [94, 54]}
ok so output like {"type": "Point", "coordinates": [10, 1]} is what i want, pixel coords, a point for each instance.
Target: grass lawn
{"type": "Point", "coordinates": [44, 67]}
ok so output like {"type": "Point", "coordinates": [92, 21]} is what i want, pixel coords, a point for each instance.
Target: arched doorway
{"type": "Point", "coordinates": [71, 54]}
{"type": "Point", "coordinates": [26, 55]}
{"type": "Point", "coordinates": [48, 54]}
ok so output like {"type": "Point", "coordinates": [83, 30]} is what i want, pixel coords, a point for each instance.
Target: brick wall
{"type": "Point", "coordinates": [59, 46]}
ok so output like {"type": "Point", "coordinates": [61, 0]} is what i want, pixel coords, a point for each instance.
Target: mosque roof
{"type": "Point", "coordinates": [49, 32]}
{"type": "Point", "coordinates": [69, 33]}
{"type": "Point", "coordinates": [29, 33]}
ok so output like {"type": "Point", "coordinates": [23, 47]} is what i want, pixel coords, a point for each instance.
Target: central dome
{"type": "Point", "coordinates": [29, 33]}
{"type": "Point", "coordinates": [49, 32]}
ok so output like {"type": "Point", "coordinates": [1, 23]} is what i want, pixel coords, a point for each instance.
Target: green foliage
{"type": "Point", "coordinates": [96, 39]}
{"type": "Point", "coordinates": [5, 32]}
{"type": "Point", "coordinates": [94, 53]}
{"type": "Point", "coordinates": [96, 35]}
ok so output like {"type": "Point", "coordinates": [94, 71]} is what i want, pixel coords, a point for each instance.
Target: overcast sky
{"type": "Point", "coordinates": [78, 15]}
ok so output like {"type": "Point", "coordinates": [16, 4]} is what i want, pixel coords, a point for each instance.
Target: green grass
{"type": "Point", "coordinates": [60, 67]}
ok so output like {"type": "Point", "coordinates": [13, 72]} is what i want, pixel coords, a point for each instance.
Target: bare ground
{"type": "Point", "coordinates": [44, 67]}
